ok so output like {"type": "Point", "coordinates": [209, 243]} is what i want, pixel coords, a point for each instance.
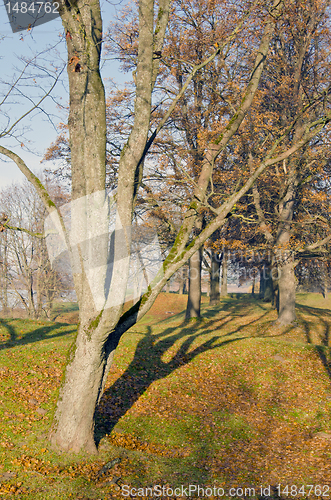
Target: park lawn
{"type": "Point", "coordinates": [231, 400]}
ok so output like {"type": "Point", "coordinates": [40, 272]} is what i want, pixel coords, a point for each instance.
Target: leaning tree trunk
{"type": "Point", "coordinates": [84, 373]}
{"type": "Point", "coordinates": [194, 287]}
{"type": "Point", "coordinates": [214, 296]}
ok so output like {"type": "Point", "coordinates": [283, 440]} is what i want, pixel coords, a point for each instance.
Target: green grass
{"type": "Point", "coordinates": [230, 400]}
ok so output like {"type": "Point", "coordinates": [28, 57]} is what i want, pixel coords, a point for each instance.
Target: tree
{"type": "Point", "coordinates": [101, 298]}
{"type": "Point", "coordinates": [296, 78]}
{"type": "Point", "coordinates": [26, 270]}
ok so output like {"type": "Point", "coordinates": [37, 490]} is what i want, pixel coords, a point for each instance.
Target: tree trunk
{"type": "Point", "coordinates": [262, 282]}
{"type": "Point", "coordinates": [49, 303]}
{"type": "Point", "coordinates": [4, 275]}
{"type": "Point", "coordinates": [31, 302]}
{"type": "Point", "coordinates": [194, 287]}
{"type": "Point", "coordinates": [39, 289]}
{"type": "Point", "coordinates": [286, 283]}
{"type": "Point", "coordinates": [214, 296]}
{"type": "Point", "coordinates": [325, 284]}
{"type": "Point", "coordinates": [86, 374]}
{"type": "Point", "coordinates": [224, 286]}
{"type": "Point", "coordinates": [100, 284]}
{"type": "Point", "coordinates": [286, 288]}
{"type": "Point", "coordinates": [266, 284]}
{"type": "Point", "coordinates": [268, 290]}
{"type": "Point", "coordinates": [182, 278]}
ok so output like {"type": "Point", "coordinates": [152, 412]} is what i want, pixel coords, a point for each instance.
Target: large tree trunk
{"type": "Point", "coordinates": [100, 284]}
{"type": "Point", "coordinates": [215, 265]}
{"type": "Point", "coordinates": [72, 428]}
{"type": "Point", "coordinates": [286, 289]}
{"type": "Point", "coordinates": [194, 287]}
{"type": "Point", "coordinates": [86, 375]}
{"type": "Point", "coordinates": [286, 283]}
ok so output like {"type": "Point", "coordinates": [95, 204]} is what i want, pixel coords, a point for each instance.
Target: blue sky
{"type": "Point", "coordinates": [39, 131]}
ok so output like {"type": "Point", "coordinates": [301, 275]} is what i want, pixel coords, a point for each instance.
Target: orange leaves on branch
{"type": "Point", "coordinates": [3, 220]}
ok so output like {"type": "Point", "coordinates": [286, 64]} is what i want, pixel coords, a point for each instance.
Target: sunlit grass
{"type": "Point", "coordinates": [232, 399]}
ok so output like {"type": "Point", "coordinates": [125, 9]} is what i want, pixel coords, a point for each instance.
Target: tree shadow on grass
{"type": "Point", "coordinates": [323, 347]}
{"type": "Point", "coordinates": [148, 365]}
{"type": "Point", "coordinates": [30, 337]}
{"type": "Point", "coordinates": [152, 361]}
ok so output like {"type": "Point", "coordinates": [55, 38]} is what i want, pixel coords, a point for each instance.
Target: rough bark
{"type": "Point", "coordinates": [75, 418]}
{"type": "Point", "coordinates": [194, 287]}
{"type": "Point", "coordinates": [286, 277]}
{"type": "Point", "coordinates": [286, 288]}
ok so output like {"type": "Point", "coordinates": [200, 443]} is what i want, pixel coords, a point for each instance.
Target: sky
{"type": "Point", "coordinates": [38, 130]}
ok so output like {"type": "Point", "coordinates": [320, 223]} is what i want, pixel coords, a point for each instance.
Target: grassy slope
{"type": "Point", "coordinates": [231, 400]}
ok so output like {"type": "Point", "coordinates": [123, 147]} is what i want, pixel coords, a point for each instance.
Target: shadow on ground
{"type": "Point", "coordinates": [36, 335]}
{"type": "Point", "coordinates": [213, 331]}
{"type": "Point", "coordinates": [321, 338]}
